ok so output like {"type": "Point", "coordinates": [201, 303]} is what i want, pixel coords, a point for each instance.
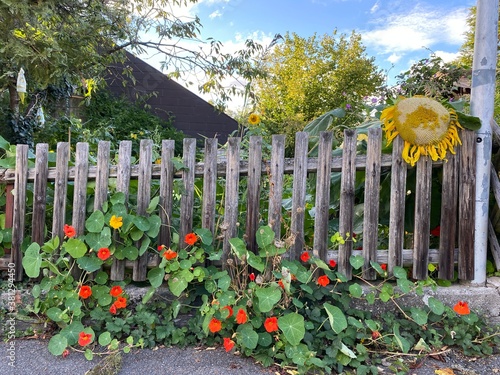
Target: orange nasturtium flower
{"type": "Point", "coordinates": [333, 263]}
{"type": "Point", "coordinates": [384, 266]}
{"type": "Point", "coordinates": [116, 222]}
{"type": "Point", "coordinates": [228, 344]}
{"type": "Point", "coordinates": [229, 311]}
{"type": "Point", "coordinates": [169, 254]}
{"type": "Point", "coordinates": [69, 231]}
{"type": "Point", "coordinates": [304, 256]}
{"type": "Point", "coordinates": [190, 239]}
{"type": "Point", "coordinates": [112, 309]}
{"type": "Point", "coordinates": [462, 308]}
{"type": "Point", "coordinates": [241, 317]}
{"type": "Point", "coordinates": [323, 280]}
{"type": "Point", "coordinates": [84, 338]}
{"type": "Point", "coordinates": [116, 291]}
{"type": "Point", "coordinates": [85, 292]}
{"type": "Point", "coordinates": [103, 253]}
{"type": "Point", "coordinates": [120, 303]}
{"type": "Point", "coordinates": [271, 324]}
{"type": "Point", "coordinates": [215, 325]}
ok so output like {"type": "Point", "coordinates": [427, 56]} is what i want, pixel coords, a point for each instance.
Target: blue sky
{"type": "Point", "coordinates": [396, 32]}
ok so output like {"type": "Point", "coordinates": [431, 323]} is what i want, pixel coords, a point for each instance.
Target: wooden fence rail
{"type": "Point", "coordinates": [457, 215]}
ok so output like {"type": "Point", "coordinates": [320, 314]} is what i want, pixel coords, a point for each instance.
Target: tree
{"type": "Point", "coordinates": [308, 77]}
{"type": "Point", "coordinates": [67, 44]}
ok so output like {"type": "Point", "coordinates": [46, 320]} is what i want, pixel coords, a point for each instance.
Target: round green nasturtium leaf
{"type": "Point", "coordinates": [264, 236]}
{"type": "Point", "coordinates": [355, 290]}
{"type": "Point", "coordinates": [104, 339]}
{"type": "Point", "coordinates": [57, 344]}
{"type": "Point", "coordinates": [101, 278]}
{"type": "Point", "coordinates": [55, 314]}
{"type": "Point", "coordinates": [177, 285]}
{"type": "Point", "coordinates": [247, 337]}
{"type": "Point", "coordinates": [436, 306]}
{"type": "Point", "coordinates": [155, 277]}
{"type": "Point", "coordinates": [32, 260]}
{"type": "Point", "coordinates": [72, 331]}
{"type": "Point", "coordinates": [337, 319]}
{"type": "Point", "coordinates": [205, 235]}
{"type": "Point", "coordinates": [292, 326]}
{"type": "Point", "coordinates": [89, 264]}
{"type": "Point", "coordinates": [73, 304]}
{"type": "Point", "coordinates": [268, 298]}
{"type": "Point", "coordinates": [95, 222]}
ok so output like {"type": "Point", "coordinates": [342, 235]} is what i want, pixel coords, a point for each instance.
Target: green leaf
{"type": "Point", "coordinates": [403, 343]}
{"type": "Point", "coordinates": [141, 223]}
{"type": "Point", "coordinates": [177, 285]}
{"type": "Point", "coordinates": [75, 247]}
{"type": "Point", "coordinates": [205, 235]}
{"type": "Point", "coordinates": [419, 316]}
{"type": "Point", "coordinates": [104, 339]}
{"type": "Point", "coordinates": [72, 331]}
{"type": "Point", "coordinates": [154, 226]}
{"type": "Point", "coordinates": [95, 222]}
{"type": "Point", "coordinates": [155, 276]}
{"type": "Point", "coordinates": [89, 264]}
{"type": "Point", "coordinates": [73, 304]}
{"type": "Point", "coordinates": [469, 122]}
{"type": "Point", "coordinates": [151, 291]}
{"type": "Point", "coordinates": [57, 344]}
{"type": "Point", "coordinates": [136, 234]}
{"type": "Point", "coordinates": [356, 261]}
{"type": "Point", "coordinates": [117, 198]}
{"type": "Point", "coordinates": [239, 247]}
{"type": "Point", "coordinates": [97, 240]}
{"type": "Point", "coordinates": [255, 261]}
{"type": "Point", "coordinates": [247, 336]}
{"type": "Point", "coordinates": [32, 261]}
{"type": "Point", "coordinates": [436, 306]}
{"type": "Point", "coordinates": [399, 272]}
{"type": "Point", "coordinates": [130, 252]}
{"type": "Point", "coordinates": [268, 298]}
{"type": "Point", "coordinates": [338, 321]}
{"type": "Point", "coordinates": [153, 204]}
{"type": "Point", "coordinates": [101, 278]}
{"type": "Point", "coordinates": [264, 236]}
{"type": "Point", "coordinates": [144, 245]}
{"type": "Point", "coordinates": [55, 314]}
{"type": "Point", "coordinates": [348, 352]}
{"type": "Point", "coordinates": [405, 285]}
{"type": "Point", "coordinates": [293, 328]}
{"type": "Point", "coordinates": [355, 290]}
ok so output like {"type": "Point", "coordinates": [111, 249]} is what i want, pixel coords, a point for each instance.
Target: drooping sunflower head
{"type": "Point", "coordinates": [426, 126]}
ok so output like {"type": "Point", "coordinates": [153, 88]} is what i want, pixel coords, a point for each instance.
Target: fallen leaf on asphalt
{"type": "Point", "coordinates": [444, 371]}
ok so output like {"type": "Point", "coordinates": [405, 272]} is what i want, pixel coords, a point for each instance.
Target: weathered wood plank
{"type": "Point", "coordinates": [102, 176]}
{"type": "Point", "coordinates": [299, 195]}
{"type": "Point", "coordinates": [229, 226]}
{"type": "Point", "coordinates": [187, 197]}
{"type": "Point", "coordinates": [347, 192]}
{"type": "Point", "coordinates": [209, 185]}
{"type": "Point", "coordinates": [275, 172]}
{"type": "Point", "coordinates": [60, 190]}
{"type": "Point", "coordinates": [166, 191]}
{"type": "Point", "coordinates": [253, 191]}
{"type": "Point", "coordinates": [494, 245]}
{"type": "Point", "coordinates": [80, 194]}
{"type": "Point", "coordinates": [372, 201]}
{"type": "Point", "coordinates": [323, 179]}
{"type": "Point", "coordinates": [422, 214]}
{"type": "Point", "coordinates": [140, 270]}
{"type": "Point", "coordinates": [467, 205]}
{"type": "Point", "coordinates": [449, 218]}
{"type": "Point", "coordinates": [495, 184]}
{"type": "Point", "coordinates": [397, 205]}
{"type": "Point", "coordinates": [122, 185]}
{"type": "Point", "coordinates": [40, 193]}
{"type": "Point", "coordinates": [20, 185]}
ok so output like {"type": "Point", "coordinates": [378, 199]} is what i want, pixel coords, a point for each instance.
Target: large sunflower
{"type": "Point", "coordinates": [426, 126]}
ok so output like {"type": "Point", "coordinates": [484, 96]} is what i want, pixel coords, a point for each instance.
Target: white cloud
{"type": "Point", "coordinates": [421, 26]}
{"type": "Point", "coordinates": [447, 56]}
{"type": "Point", "coordinates": [394, 58]}
{"type": "Point", "coordinates": [375, 7]}
{"type": "Point", "coordinates": [216, 14]}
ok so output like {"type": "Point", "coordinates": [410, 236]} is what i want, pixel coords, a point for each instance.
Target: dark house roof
{"type": "Point", "coordinates": [192, 115]}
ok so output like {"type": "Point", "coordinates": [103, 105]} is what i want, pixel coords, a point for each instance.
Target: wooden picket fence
{"type": "Point", "coordinates": [456, 242]}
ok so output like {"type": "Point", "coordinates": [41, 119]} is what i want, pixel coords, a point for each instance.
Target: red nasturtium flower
{"type": "Point", "coordinates": [215, 325]}
{"type": "Point", "coordinates": [228, 344]}
{"type": "Point", "coordinates": [112, 309]}
{"type": "Point", "coordinates": [85, 292]}
{"type": "Point", "coordinates": [84, 338]}
{"type": "Point", "coordinates": [69, 231]}
{"type": "Point", "coordinates": [251, 276]}
{"type": "Point", "coordinates": [103, 253]}
{"type": "Point", "coordinates": [436, 231]}
{"type": "Point", "coordinates": [241, 317]}
{"type": "Point", "coordinates": [375, 335]}
{"type": "Point", "coordinates": [191, 239]}
{"type": "Point", "coordinates": [384, 266]}
{"type": "Point", "coordinates": [120, 303]}
{"type": "Point", "coordinates": [116, 291]}
{"type": "Point", "coordinates": [271, 324]}
{"type": "Point", "coordinates": [304, 256]}
{"type": "Point", "coordinates": [280, 283]}
{"type": "Point", "coordinates": [462, 308]}
{"type": "Point", "coordinates": [332, 263]}
{"type": "Point", "coordinates": [161, 247]}
{"type": "Point", "coordinates": [229, 311]}
{"type": "Point", "coordinates": [169, 254]}
{"type": "Point", "coordinates": [323, 280]}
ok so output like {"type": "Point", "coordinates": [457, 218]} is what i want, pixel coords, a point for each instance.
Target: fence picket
{"type": "Point", "coordinates": [276, 171]}
{"type": "Point", "coordinates": [253, 191]}
{"type": "Point", "coordinates": [102, 175]}
{"type": "Point", "coordinates": [209, 185]}
{"type": "Point", "coordinates": [372, 199]}
{"type": "Point", "coordinates": [40, 194]}
{"type": "Point", "coordinates": [60, 189]}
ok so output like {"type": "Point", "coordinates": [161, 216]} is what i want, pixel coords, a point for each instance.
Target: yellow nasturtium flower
{"type": "Point", "coordinates": [426, 126]}
{"type": "Point", "coordinates": [116, 222]}
{"type": "Point", "coordinates": [253, 119]}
